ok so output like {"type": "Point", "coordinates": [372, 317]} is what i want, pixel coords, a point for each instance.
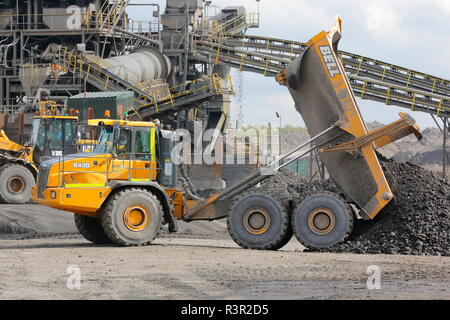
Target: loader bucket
{"type": "Point", "coordinates": [321, 91]}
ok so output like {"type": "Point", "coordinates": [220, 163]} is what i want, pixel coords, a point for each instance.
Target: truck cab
{"type": "Point", "coordinates": [127, 153]}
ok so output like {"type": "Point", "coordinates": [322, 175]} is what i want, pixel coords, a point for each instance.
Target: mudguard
{"type": "Point", "coordinates": [321, 91]}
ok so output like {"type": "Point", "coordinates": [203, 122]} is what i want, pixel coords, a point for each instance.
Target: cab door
{"type": "Point", "coordinates": [143, 157]}
{"type": "Point", "coordinates": [121, 163]}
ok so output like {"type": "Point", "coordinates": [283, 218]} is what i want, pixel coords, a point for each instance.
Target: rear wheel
{"type": "Point", "coordinates": [322, 220]}
{"type": "Point", "coordinates": [132, 217]}
{"type": "Point", "coordinates": [91, 229]}
{"type": "Point", "coordinates": [257, 221]}
{"type": "Point", "coordinates": [16, 182]}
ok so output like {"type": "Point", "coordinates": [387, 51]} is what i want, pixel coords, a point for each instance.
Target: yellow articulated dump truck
{"type": "Point", "coordinates": [128, 187]}
{"type": "Point", "coordinates": [51, 136]}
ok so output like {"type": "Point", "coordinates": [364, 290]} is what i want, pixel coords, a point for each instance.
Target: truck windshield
{"type": "Point", "coordinates": [105, 140]}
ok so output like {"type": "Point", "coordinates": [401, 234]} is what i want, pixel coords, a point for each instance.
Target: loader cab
{"type": "Point", "coordinates": [139, 149]}
{"type": "Point", "coordinates": [131, 145]}
{"type": "Point", "coordinates": [126, 140]}
{"type": "Point", "coordinates": [53, 136]}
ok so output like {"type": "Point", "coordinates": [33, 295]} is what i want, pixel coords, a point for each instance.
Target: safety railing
{"type": "Point", "coordinates": [142, 27]}
{"type": "Point", "coordinates": [105, 22]}
{"type": "Point", "coordinates": [96, 75]}
{"type": "Point", "coordinates": [108, 80]}
{"type": "Point", "coordinates": [208, 85]}
{"type": "Point", "coordinates": [111, 14]}
{"type": "Point", "coordinates": [51, 108]}
{"type": "Point", "coordinates": [245, 60]}
{"type": "Point", "coordinates": [234, 26]}
{"type": "Point", "coordinates": [58, 22]}
{"type": "Point", "coordinates": [400, 96]}
{"type": "Point", "coordinates": [14, 109]}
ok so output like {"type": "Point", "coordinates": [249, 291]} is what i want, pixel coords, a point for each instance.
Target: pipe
{"type": "Point", "coordinates": [158, 7]}
{"type": "Point", "coordinates": [29, 13]}
{"type": "Point", "coordinates": [188, 190]}
{"type": "Point", "coordinates": [36, 14]}
{"type": "Point", "coordinates": [158, 44]}
{"type": "Point", "coordinates": [145, 64]}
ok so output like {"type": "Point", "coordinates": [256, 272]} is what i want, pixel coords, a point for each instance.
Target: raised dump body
{"type": "Point", "coordinates": [321, 90]}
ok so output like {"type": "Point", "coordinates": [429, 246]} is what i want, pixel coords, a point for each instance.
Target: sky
{"type": "Point", "coordinates": [410, 33]}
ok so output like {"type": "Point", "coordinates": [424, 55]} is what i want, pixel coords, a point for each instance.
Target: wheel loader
{"type": "Point", "coordinates": [52, 135]}
{"type": "Point", "coordinates": [126, 189]}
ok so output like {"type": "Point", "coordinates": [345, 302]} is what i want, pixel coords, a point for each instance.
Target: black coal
{"type": "Point", "coordinates": [416, 222]}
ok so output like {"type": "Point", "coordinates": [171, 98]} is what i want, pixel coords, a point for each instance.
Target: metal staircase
{"type": "Point", "coordinates": [146, 106]}
{"type": "Point", "coordinates": [111, 13]}
{"type": "Point", "coordinates": [235, 25]}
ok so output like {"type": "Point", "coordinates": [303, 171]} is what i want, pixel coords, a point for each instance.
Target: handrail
{"type": "Point", "coordinates": [209, 85]}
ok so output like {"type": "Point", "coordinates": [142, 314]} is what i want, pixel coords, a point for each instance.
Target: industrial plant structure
{"type": "Point", "coordinates": [177, 63]}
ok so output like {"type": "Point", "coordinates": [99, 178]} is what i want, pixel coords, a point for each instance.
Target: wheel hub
{"type": "Point", "coordinates": [321, 221]}
{"type": "Point", "coordinates": [16, 185]}
{"type": "Point", "coordinates": [257, 221]}
{"type": "Point", "coordinates": [136, 218]}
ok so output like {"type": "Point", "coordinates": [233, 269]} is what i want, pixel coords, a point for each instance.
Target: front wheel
{"type": "Point", "coordinates": [322, 221]}
{"type": "Point", "coordinates": [132, 217]}
{"type": "Point", "coordinates": [16, 182]}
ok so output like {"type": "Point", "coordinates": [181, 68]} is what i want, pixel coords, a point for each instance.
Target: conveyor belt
{"type": "Point", "coordinates": [382, 86]}
{"type": "Point", "coordinates": [353, 63]}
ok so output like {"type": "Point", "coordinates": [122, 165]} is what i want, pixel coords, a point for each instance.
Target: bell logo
{"type": "Point", "coordinates": [329, 61]}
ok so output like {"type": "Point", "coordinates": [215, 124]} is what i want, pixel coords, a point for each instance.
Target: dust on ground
{"type": "Point", "coordinates": [201, 262]}
{"type": "Point", "coordinates": [209, 269]}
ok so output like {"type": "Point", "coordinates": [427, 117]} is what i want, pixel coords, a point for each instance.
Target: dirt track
{"type": "Point", "coordinates": [209, 269]}
{"type": "Point", "coordinates": [200, 263]}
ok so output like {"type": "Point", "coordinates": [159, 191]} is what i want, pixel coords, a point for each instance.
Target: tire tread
{"type": "Point", "coordinates": [282, 239]}
{"type": "Point", "coordinates": [349, 215]}
{"type": "Point", "coordinates": [107, 217]}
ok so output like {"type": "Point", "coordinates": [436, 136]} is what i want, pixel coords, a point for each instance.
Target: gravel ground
{"type": "Point", "coordinates": [209, 269]}
{"type": "Point", "coordinates": [410, 240]}
{"type": "Point", "coordinates": [201, 262]}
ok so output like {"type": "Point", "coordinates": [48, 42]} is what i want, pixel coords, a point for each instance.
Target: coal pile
{"type": "Point", "coordinates": [416, 222]}
{"type": "Point", "coordinates": [290, 188]}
